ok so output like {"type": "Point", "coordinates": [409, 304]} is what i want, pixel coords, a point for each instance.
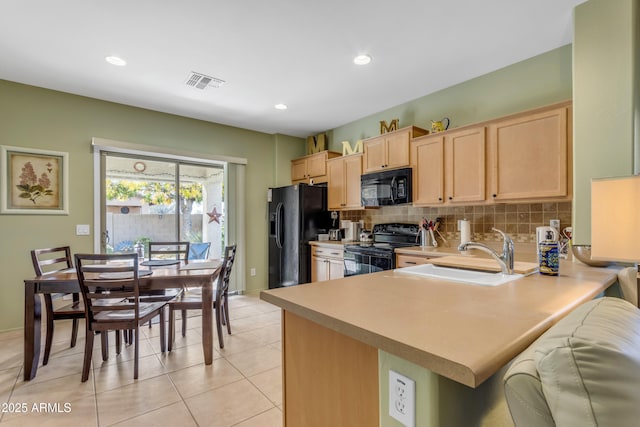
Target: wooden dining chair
{"type": "Point", "coordinates": [164, 254]}
{"type": "Point", "coordinates": [47, 261]}
{"type": "Point", "coordinates": [110, 290]}
{"type": "Point", "coordinates": [192, 300]}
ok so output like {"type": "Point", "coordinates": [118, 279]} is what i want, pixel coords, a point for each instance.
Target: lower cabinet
{"type": "Point", "coordinates": [327, 262]}
{"type": "Point", "coordinates": [403, 260]}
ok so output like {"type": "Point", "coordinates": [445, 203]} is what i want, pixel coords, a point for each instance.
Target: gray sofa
{"type": "Point", "coordinates": [584, 371]}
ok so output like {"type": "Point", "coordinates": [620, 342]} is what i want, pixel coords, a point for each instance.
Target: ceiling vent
{"type": "Point", "coordinates": [201, 81]}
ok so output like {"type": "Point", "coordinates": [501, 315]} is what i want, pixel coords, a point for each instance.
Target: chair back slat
{"type": "Point", "coordinates": [108, 282]}
{"type": "Point", "coordinates": [169, 250]}
{"type": "Point", "coordinates": [225, 270]}
{"type": "Point", "coordinates": [51, 260]}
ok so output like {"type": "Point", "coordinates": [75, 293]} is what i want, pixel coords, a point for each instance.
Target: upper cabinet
{"type": "Point", "coordinates": [530, 155]}
{"type": "Point", "coordinates": [311, 169]}
{"type": "Point", "coordinates": [522, 157]}
{"type": "Point", "coordinates": [389, 150]}
{"type": "Point", "coordinates": [343, 189]}
{"type": "Point", "coordinates": [427, 161]}
{"type": "Point", "coordinates": [465, 165]}
{"type": "Point", "coordinates": [449, 167]}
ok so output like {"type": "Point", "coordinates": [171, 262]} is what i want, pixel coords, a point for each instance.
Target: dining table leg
{"type": "Point", "coordinates": [207, 322]}
{"type": "Point", "coordinates": [32, 317]}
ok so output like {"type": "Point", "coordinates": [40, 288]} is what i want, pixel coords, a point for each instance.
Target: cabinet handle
{"type": "Point", "coordinates": [335, 253]}
{"type": "Point", "coordinates": [439, 199]}
{"type": "Point", "coordinates": [495, 195]}
{"type": "Point", "coordinates": [410, 262]}
{"type": "Point", "coordinates": [450, 198]}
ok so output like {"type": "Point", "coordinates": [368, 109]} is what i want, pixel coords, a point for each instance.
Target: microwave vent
{"type": "Point", "coordinates": [202, 81]}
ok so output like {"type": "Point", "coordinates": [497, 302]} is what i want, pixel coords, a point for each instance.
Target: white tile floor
{"type": "Point", "coordinates": [243, 386]}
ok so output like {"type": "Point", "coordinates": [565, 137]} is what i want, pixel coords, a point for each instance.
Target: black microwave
{"type": "Point", "coordinates": [386, 188]}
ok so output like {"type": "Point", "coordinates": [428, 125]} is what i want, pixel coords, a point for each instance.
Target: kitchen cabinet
{"type": "Point", "coordinates": [427, 161]}
{"type": "Point", "coordinates": [404, 260]}
{"type": "Point", "coordinates": [343, 189]}
{"type": "Point", "coordinates": [327, 262]}
{"type": "Point", "coordinates": [530, 155]}
{"type": "Point", "coordinates": [389, 150]}
{"type": "Point", "coordinates": [311, 169]}
{"type": "Point", "coordinates": [465, 165]}
{"type": "Point", "coordinates": [450, 167]}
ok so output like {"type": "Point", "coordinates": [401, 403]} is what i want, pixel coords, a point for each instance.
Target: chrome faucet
{"type": "Point", "coordinates": [505, 259]}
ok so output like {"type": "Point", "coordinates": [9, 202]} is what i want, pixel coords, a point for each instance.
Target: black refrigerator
{"type": "Point", "coordinates": [297, 214]}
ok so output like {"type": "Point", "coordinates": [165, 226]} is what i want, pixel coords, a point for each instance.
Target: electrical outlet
{"type": "Point", "coordinates": [402, 399]}
{"type": "Point", "coordinates": [555, 223]}
{"type": "Point", "coordinates": [253, 271]}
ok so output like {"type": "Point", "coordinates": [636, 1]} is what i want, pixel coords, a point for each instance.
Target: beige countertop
{"type": "Point", "coordinates": [463, 332]}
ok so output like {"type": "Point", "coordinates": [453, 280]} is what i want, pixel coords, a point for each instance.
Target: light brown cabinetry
{"type": "Point", "coordinates": [465, 165]}
{"type": "Point", "coordinates": [449, 168]}
{"type": "Point", "coordinates": [404, 260]}
{"type": "Point", "coordinates": [427, 161]}
{"type": "Point", "coordinates": [343, 189]}
{"type": "Point", "coordinates": [311, 169]}
{"type": "Point", "coordinates": [327, 262]}
{"type": "Point", "coordinates": [329, 379]}
{"type": "Point", "coordinates": [389, 150]}
{"type": "Point", "coordinates": [529, 155]}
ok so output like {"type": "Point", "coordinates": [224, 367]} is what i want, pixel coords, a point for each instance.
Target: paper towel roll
{"type": "Point", "coordinates": [465, 231]}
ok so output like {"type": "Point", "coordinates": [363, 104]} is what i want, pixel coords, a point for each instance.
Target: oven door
{"type": "Point", "coordinates": [356, 263]}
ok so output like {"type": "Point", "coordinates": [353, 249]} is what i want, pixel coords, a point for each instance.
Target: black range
{"type": "Point", "coordinates": [369, 257]}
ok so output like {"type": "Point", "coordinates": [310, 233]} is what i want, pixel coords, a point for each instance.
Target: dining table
{"type": "Point", "coordinates": [194, 274]}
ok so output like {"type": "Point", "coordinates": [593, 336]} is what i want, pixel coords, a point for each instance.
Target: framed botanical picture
{"type": "Point", "coordinates": [33, 181]}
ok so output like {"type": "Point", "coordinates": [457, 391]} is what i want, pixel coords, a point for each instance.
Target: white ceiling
{"type": "Point", "coordinates": [297, 52]}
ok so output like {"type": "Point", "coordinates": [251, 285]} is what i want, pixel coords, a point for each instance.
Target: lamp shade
{"type": "Point", "coordinates": [615, 219]}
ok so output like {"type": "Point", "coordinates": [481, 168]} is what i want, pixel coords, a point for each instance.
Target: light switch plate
{"type": "Point", "coordinates": [82, 229]}
{"type": "Point", "coordinates": [402, 399]}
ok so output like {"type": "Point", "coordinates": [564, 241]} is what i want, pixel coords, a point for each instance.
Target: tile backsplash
{"type": "Point", "coordinates": [518, 220]}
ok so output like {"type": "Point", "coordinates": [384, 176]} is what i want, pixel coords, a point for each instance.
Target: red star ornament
{"type": "Point", "coordinates": [214, 216]}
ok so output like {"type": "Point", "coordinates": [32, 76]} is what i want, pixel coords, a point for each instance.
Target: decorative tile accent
{"type": "Point", "coordinates": [519, 220]}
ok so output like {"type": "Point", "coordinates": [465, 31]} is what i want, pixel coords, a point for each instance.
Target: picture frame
{"type": "Point", "coordinates": [33, 181]}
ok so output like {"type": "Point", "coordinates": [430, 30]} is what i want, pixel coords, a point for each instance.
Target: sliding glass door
{"type": "Point", "coordinates": [149, 198]}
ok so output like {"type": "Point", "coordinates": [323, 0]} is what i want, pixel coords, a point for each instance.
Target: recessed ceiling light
{"type": "Point", "coordinates": [114, 60]}
{"type": "Point", "coordinates": [362, 59]}
{"type": "Point", "coordinates": [280, 106]}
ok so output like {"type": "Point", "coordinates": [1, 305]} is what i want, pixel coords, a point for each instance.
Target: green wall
{"type": "Point", "coordinates": [444, 402]}
{"type": "Point", "coordinates": [537, 81]}
{"type": "Point", "coordinates": [605, 85]}
{"type": "Point", "coordinates": [286, 148]}
{"type": "Point", "coordinates": [39, 118]}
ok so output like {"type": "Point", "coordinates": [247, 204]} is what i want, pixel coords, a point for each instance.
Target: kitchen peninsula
{"type": "Point", "coordinates": [341, 337]}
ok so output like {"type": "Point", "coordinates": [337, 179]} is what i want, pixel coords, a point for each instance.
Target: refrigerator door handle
{"type": "Point", "coordinates": [279, 225]}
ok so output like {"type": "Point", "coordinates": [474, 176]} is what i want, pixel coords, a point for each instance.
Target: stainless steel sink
{"type": "Point", "coordinates": [471, 277]}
